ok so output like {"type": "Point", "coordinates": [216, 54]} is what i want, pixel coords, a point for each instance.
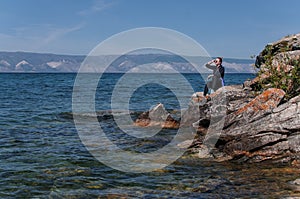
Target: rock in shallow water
{"type": "Point", "coordinates": [157, 116]}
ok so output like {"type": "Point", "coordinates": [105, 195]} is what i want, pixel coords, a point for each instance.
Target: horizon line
{"type": "Point", "coordinates": [82, 55]}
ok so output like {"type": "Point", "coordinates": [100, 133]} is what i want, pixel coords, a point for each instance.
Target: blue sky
{"type": "Point", "coordinates": [231, 28]}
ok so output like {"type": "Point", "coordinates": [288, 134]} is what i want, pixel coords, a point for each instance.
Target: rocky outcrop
{"type": "Point", "coordinates": [281, 52]}
{"type": "Point", "coordinates": [263, 130]}
{"type": "Point", "coordinates": [259, 130]}
{"type": "Point", "coordinates": [251, 125]}
{"type": "Point", "coordinates": [279, 64]}
{"type": "Point", "coordinates": [256, 129]}
{"type": "Point", "coordinates": [268, 127]}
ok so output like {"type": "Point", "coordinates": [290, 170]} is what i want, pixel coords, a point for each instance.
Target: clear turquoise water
{"type": "Point", "coordinates": [42, 156]}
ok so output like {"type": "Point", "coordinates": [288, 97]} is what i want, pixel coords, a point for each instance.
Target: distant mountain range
{"type": "Point", "coordinates": [53, 63]}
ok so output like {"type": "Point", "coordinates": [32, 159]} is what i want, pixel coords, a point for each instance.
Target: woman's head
{"type": "Point", "coordinates": [218, 61]}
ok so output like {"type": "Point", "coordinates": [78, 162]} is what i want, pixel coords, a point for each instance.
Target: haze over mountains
{"type": "Point", "coordinates": [51, 63]}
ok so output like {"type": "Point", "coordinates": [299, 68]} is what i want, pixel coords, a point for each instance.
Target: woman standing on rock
{"type": "Point", "coordinates": [216, 80]}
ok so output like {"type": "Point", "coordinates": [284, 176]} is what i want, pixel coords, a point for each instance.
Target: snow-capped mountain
{"type": "Point", "coordinates": [38, 62]}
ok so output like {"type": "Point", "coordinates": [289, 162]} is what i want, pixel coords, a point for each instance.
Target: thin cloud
{"type": "Point", "coordinates": [55, 34]}
{"type": "Point", "coordinates": [98, 6]}
{"type": "Point", "coordinates": [36, 37]}
{"type": "Point", "coordinates": [5, 36]}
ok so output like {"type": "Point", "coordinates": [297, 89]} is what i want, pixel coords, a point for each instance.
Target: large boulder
{"type": "Point", "coordinates": [227, 99]}
{"type": "Point", "coordinates": [258, 129]}
{"type": "Point", "coordinates": [274, 135]}
{"type": "Point", "coordinates": [256, 108]}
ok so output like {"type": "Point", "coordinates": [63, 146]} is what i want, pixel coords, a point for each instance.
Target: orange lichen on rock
{"type": "Point", "coordinates": [269, 99]}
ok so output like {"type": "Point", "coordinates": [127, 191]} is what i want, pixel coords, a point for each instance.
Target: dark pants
{"type": "Point", "coordinates": [205, 90]}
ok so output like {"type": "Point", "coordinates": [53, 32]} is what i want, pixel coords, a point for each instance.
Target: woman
{"type": "Point", "coordinates": [216, 80]}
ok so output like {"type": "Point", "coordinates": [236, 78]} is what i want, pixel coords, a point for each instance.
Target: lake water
{"type": "Point", "coordinates": [42, 155]}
